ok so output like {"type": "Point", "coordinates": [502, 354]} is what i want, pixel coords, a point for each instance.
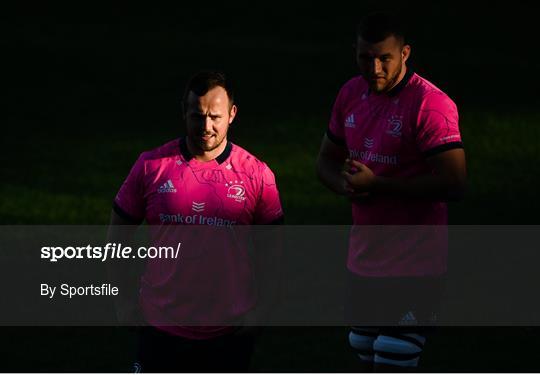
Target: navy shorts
{"type": "Point", "coordinates": [393, 302]}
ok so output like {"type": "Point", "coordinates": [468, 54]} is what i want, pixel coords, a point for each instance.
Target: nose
{"type": "Point", "coordinates": [376, 67]}
{"type": "Point", "coordinates": [208, 124]}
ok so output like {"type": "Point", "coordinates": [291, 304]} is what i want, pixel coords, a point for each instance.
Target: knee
{"type": "Point", "coordinates": [400, 350]}
{"type": "Point", "coordinates": [361, 341]}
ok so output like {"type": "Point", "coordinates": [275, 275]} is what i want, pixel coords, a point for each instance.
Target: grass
{"type": "Point", "coordinates": [46, 187]}
{"type": "Point", "coordinates": [72, 179]}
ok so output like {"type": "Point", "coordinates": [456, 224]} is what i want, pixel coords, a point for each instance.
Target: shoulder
{"type": "Point", "coordinates": [243, 159]}
{"type": "Point", "coordinates": [429, 95]}
{"type": "Point", "coordinates": [154, 158]}
{"type": "Point", "coordinates": [169, 149]}
{"type": "Point", "coordinates": [353, 87]}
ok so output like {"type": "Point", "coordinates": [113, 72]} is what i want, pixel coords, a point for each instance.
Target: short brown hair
{"type": "Point", "coordinates": [204, 81]}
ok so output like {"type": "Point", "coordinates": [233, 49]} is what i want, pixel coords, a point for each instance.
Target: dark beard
{"type": "Point", "coordinates": [392, 83]}
{"type": "Point", "coordinates": [389, 84]}
{"type": "Point", "coordinates": [201, 147]}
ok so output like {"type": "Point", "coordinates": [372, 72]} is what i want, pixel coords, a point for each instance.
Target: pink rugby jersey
{"type": "Point", "coordinates": [199, 204]}
{"type": "Point", "coordinates": [393, 134]}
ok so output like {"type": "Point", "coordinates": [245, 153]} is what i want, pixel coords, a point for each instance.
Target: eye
{"type": "Point", "coordinates": [214, 117]}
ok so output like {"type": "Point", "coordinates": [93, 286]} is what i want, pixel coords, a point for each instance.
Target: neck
{"type": "Point", "coordinates": [205, 156]}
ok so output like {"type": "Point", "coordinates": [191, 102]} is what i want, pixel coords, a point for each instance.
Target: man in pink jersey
{"type": "Point", "coordinates": [393, 147]}
{"type": "Point", "coordinates": [198, 189]}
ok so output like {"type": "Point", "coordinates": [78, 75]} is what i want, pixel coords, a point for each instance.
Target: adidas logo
{"type": "Point", "coordinates": [167, 187]}
{"type": "Point", "coordinates": [408, 319]}
{"type": "Point", "coordinates": [349, 122]}
{"type": "Point", "coordinates": [368, 142]}
{"type": "Point", "coordinates": [198, 207]}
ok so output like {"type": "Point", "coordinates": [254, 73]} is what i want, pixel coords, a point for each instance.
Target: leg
{"type": "Point", "coordinates": [397, 351]}
{"type": "Point", "coordinates": [361, 340]}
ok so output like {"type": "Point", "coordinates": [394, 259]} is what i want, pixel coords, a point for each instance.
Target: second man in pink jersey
{"type": "Point", "coordinates": [393, 147]}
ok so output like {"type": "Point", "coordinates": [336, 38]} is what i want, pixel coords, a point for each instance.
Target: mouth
{"type": "Point", "coordinates": [207, 137]}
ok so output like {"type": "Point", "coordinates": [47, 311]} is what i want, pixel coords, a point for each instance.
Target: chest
{"type": "Point", "coordinates": [185, 194]}
{"type": "Point", "coordinates": [380, 131]}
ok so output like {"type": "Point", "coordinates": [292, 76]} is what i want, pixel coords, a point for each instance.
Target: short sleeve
{"type": "Point", "coordinates": [438, 124]}
{"type": "Point", "coordinates": [268, 209]}
{"type": "Point", "coordinates": [336, 131]}
{"type": "Point", "coordinates": [129, 201]}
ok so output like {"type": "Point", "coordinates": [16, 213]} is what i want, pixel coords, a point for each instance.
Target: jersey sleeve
{"type": "Point", "coordinates": [438, 125]}
{"type": "Point", "coordinates": [336, 132]}
{"type": "Point", "coordinates": [268, 209]}
{"type": "Point", "coordinates": [129, 201]}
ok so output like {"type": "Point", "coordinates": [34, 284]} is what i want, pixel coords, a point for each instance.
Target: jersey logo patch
{"type": "Point", "coordinates": [236, 191]}
{"type": "Point", "coordinates": [395, 126]}
{"type": "Point", "coordinates": [349, 122]}
{"type": "Point", "coordinates": [198, 207]}
{"type": "Point", "coordinates": [408, 319]}
{"type": "Point", "coordinates": [368, 142]}
{"type": "Point", "coordinates": [167, 187]}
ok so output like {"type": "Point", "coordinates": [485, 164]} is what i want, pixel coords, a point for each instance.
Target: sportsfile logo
{"type": "Point", "coordinates": [167, 187]}
{"type": "Point", "coordinates": [349, 122]}
{"type": "Point", "coordinates": [236, 191]}
{"type": "Point", "coordinates": [198, 207]}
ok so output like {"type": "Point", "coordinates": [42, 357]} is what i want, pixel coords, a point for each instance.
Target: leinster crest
{"type": "Point", "coordinates": [395, 124]}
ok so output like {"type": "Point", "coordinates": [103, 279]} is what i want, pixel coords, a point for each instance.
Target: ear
{"type": "Point", "coordinates": [405, 52]}
{"type": "Point", "coordinates": [232, 113]}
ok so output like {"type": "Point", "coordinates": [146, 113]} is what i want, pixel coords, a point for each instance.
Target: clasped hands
{"type": "Point", "coordinates": [358, 180]}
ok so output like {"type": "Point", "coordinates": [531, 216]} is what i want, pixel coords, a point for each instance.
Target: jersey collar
{"type": "Point", "coordinates": [399, 87]}
{"type": "Point", "coordinates": [188, 156]}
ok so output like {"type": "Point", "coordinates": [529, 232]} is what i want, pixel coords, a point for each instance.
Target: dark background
{"type": "Point", "coordinates": [87, 89]}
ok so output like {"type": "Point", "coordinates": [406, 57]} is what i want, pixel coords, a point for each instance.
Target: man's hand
{"type": "Point", "coordinates": [445, 182]}
{"type": "Point", "coordinates": [359, 178]}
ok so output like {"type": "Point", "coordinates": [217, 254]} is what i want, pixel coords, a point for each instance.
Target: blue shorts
{"type": "Point", "coordinates": [407, 303]}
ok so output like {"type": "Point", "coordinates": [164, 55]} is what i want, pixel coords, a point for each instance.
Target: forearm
{"type": "Point", "coordinates": [329, 174]}
{"type": "Point", "coordinates": [124, 273]}
{"type": "Point", "coordinates": [126, 277]}
{"type": "Point", "coordinates": [267, 262]}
